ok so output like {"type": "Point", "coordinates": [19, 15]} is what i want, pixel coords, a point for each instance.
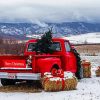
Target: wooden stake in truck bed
{"type": "Point", "coordinates": [32, 66]}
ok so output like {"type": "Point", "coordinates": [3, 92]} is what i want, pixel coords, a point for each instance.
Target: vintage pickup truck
{"type": "Point", "coordinates": [31, 66]}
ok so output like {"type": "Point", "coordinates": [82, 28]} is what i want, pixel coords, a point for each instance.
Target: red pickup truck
{"type": "Point", "coordinates": [31, 66]}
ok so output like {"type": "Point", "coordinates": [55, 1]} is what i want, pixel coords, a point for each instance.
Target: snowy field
{"type": "Point", "coordinates": [87, 89]}
{"type": "Point", "coordinates": [88, 37]}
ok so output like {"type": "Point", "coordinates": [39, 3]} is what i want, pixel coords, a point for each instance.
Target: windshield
{"type": "Point", "coordinates": [54, 46]}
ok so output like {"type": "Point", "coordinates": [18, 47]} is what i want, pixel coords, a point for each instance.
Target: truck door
{"type": "Point", "coordinates": [70, 58]}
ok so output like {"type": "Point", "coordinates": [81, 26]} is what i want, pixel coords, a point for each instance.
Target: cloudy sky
{"type": "Point", "coordinates": [49, 10]}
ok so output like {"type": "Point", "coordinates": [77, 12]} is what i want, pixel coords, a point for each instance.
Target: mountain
{"type": "Point", "coordinates": [23, 30]}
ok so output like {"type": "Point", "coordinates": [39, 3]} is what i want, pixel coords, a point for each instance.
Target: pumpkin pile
{"type": "Point", "coordinates": [98, 71]}
{"type": "Point", "coordinates": [59, 81]}
{"type": "Point", "coordinates": [86, 69]}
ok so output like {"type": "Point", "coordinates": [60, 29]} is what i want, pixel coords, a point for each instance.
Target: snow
{"type": "Point", "coordinates": [47, 73]}
{"type": "Point", "coordinates": [56, 79]}
{"type": "Point", "coordinates": [68, 75]}
{"type": "Point", "coordinates": [87, 89]}
{"type": "Point", "coordinates": [49, 76]}
{"type": "Point", "coordinates": [85, 38]}
{"type": "Point", "coordinates": [33, 36]}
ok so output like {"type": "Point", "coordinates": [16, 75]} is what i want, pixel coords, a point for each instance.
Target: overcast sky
{"type": "Point", "coordinates": [49, 10]}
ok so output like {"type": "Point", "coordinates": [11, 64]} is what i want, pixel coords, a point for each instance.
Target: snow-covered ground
{"type": "Point", "coordinates": [87, 89]}
{"type": "Point", "coordinates": [85, 38]}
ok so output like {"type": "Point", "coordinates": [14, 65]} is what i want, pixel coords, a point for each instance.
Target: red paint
{"type": "Point", "coordinates": [63, 84]}
{"type": "Point", "coordinates": [42, 62]}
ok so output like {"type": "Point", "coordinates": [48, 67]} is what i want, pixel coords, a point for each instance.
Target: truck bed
{"type": "Point", "coordinates": [14, 67]}
{"type": "Point", "coordinates": [13, 62]}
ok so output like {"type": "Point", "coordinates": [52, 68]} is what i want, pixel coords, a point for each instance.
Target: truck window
{"type": "Point", "coordinates": [31, 47]}
{"type": "Point", "coordinates": [67, 46]}
{"type": "Point", "coordinates": [55, 46]}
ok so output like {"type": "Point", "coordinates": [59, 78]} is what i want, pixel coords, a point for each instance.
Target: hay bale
{"type": "Point", "coordinates": [52, 83]}
{"type": "Point", "coordinates": [98, 71]}
{"type": "Point", "coordinates": [86, 69]}
{"type": "Point", "coordinates": [70, 81]}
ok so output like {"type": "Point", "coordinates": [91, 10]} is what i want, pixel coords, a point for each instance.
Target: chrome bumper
{"type": "Point", "coordinates": [23, 76]}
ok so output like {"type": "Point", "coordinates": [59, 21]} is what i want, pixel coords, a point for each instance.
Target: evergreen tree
{"type": "Point", "coordinates": [79, 67]}
{"type": "Point", "coordinates": [43, 44]}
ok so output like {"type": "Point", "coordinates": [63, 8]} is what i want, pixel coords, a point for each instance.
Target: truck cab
{"type": "Point", "coordinates": [62, 48]}
{"type": "Point", "coordinates": [31, 66]}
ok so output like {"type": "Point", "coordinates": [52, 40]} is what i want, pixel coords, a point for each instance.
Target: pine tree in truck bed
{"type": "Point", "coordinates": [43, 44]}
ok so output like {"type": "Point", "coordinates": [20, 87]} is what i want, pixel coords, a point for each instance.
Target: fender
{"type": "Point", "coordinates": [46, 64]}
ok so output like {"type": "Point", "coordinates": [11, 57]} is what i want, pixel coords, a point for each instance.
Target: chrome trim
{"type": "Point", "coordinates": [29, 76]}
{"type": "Point", "coordinates": [3, 75]}
{"type": "Point", "coordinates": [24, 76]}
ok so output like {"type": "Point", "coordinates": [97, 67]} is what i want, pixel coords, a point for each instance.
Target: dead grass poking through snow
{"type": "Point", "coordinates": [23, 87]}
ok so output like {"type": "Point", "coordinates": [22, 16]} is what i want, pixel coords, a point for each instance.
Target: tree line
{"type": "Point", "coordinates": [11, 46]}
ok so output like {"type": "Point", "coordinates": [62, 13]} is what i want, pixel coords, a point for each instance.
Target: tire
{"type": "Point", "coordinates": [6, 82]}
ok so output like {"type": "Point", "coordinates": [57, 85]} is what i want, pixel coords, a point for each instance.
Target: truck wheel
{"type": "Point", "coordinates": [79, 73]}
{"type": "Point", "coordinates": [6, 82]}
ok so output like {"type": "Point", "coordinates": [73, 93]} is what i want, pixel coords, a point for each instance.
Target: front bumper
{"type": "Point", "coordinates": [23, 76]}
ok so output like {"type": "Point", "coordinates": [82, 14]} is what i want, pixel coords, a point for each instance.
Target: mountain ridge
{"type": "Point", "coordinates": [21, 30]}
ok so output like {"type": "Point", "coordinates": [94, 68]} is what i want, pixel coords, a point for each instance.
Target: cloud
{"type": "Point", "coordinates": [49, 10]}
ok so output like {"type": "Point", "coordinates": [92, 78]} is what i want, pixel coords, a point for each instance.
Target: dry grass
{"type": "Point", "coordinates": [92, 49]}
{"type": "Point", "coordinates": [23, 87]}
